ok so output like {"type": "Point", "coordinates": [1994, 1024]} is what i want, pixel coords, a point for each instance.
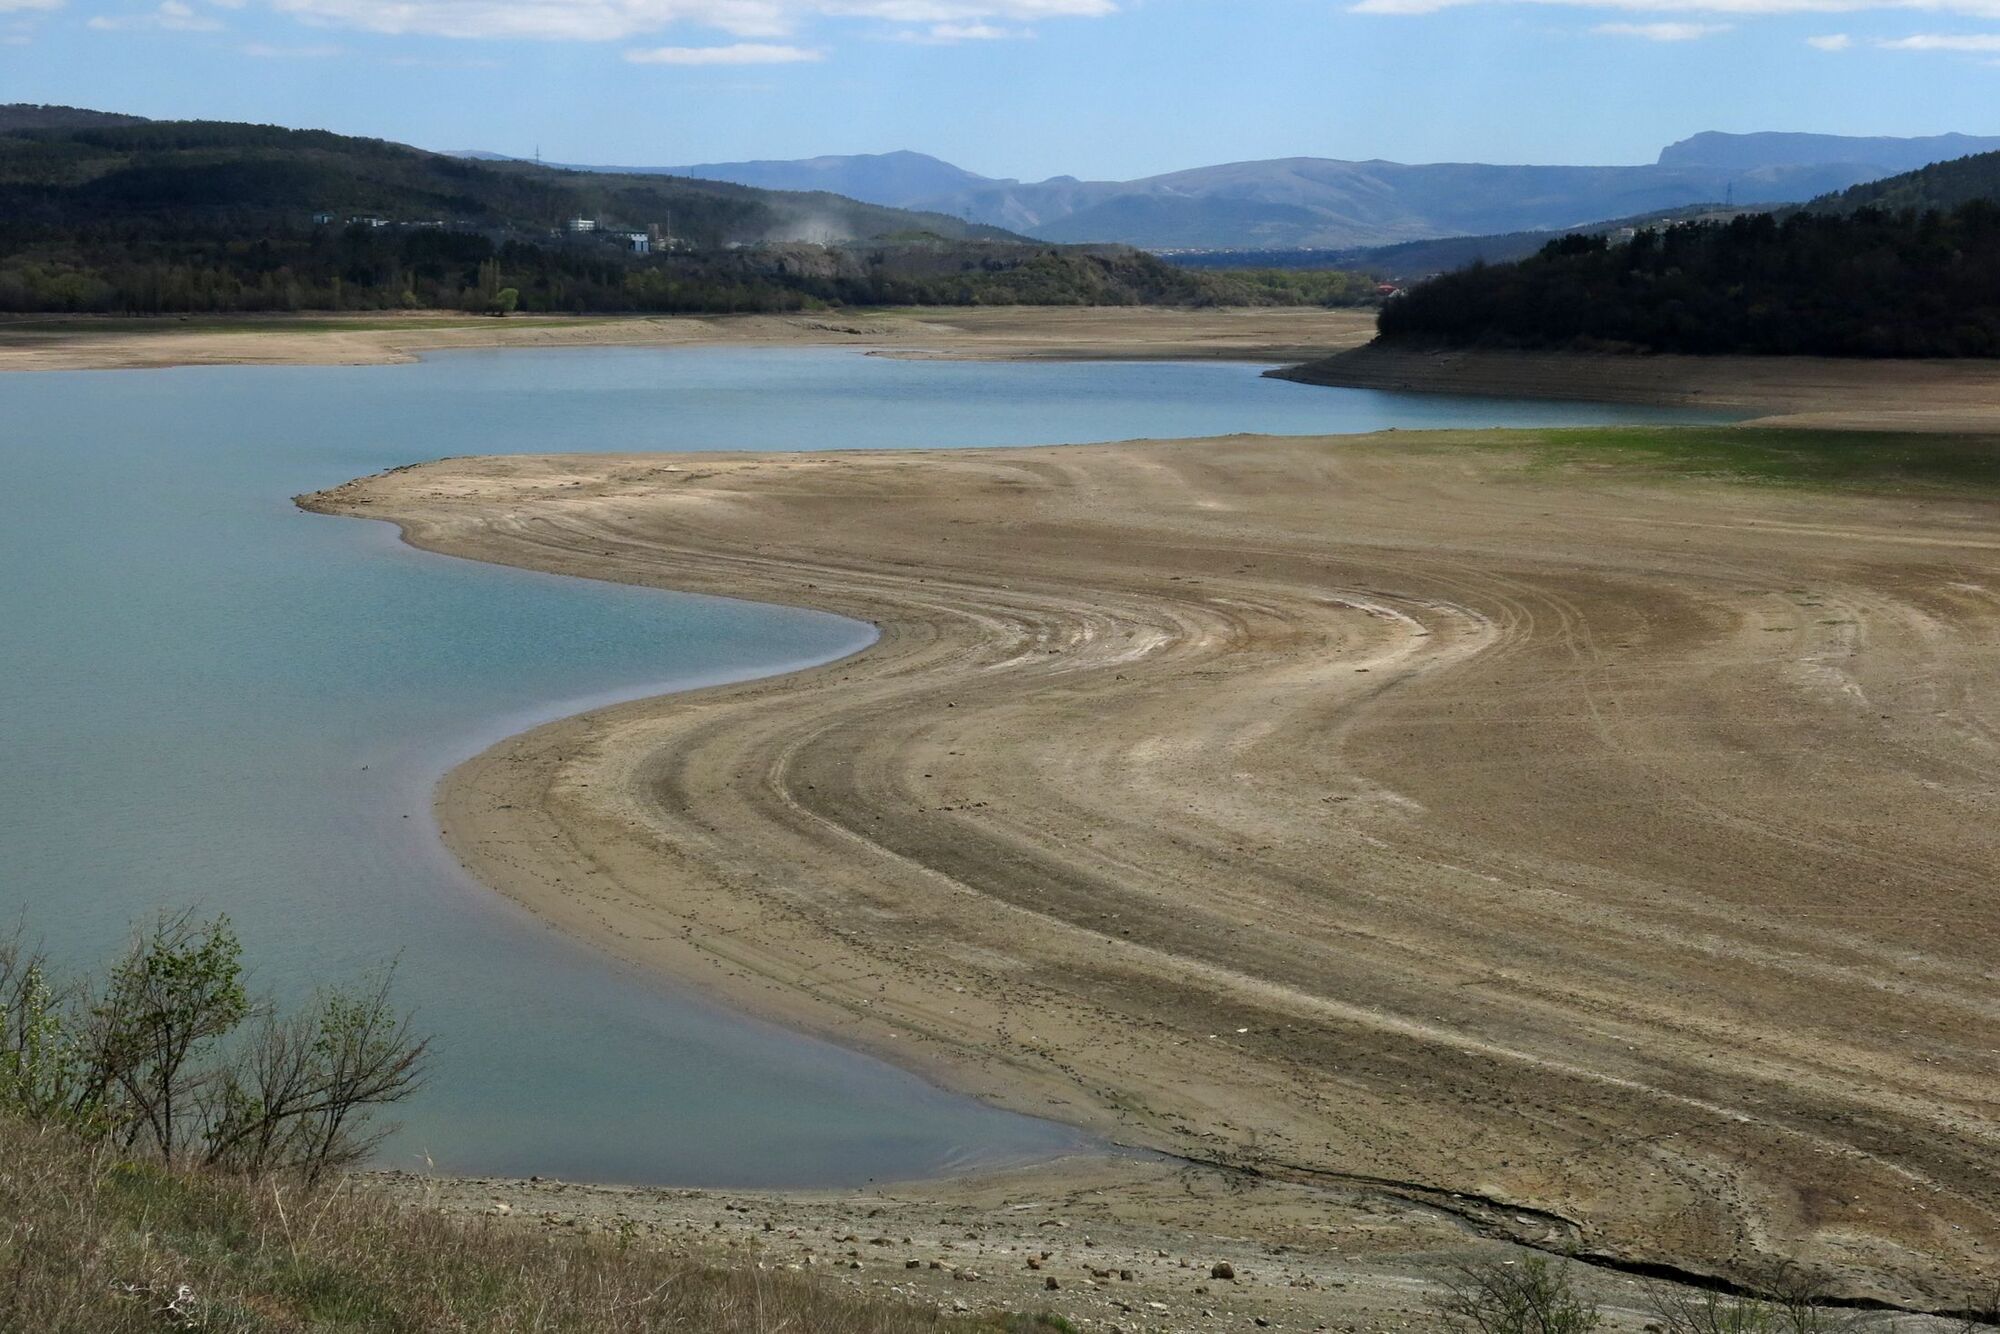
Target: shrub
{"type": "Point", "coordinates": [1533, 1296]}
{"type": "Point", "coordinates": [1796, 1305]}
{"type": "Point", "coordinates": [168, 1054]}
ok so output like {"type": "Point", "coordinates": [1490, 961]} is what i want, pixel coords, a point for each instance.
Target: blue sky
{"type": "Point", "coordinates": [1026, 88]}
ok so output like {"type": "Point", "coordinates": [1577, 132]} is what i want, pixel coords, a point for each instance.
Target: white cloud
{"type": "Point", "coordinates": [268, 51]}
{"type": "Point", "coordinates": [12, 6]}
{"type": "Point", "coordinates": [441, 62]}
{"type": "Point", "coordinates": [1732, 8]}
{"type": "Point", "coordinates": [1833, 41]}
{"type": "Point", "coordinates": [620, 20]}
{"type": "Point", "coordinates": [550, 20]}
{"type": "Point", "coordinates": [1933, 41]}
{"type": "Point", "coordinates": [950, 34]}
{"type": "Point", "coordinates": [742, 53]}
{"type": "Point", "coordinates": [172, 14]}
{"type": "Point", "coordinates": [1662, 32]}
{"type": "Point", "coordinates": [960, 11]}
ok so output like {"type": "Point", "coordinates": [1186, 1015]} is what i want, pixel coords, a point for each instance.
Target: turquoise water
{"type": "Point", "coordinates": [208, 698]}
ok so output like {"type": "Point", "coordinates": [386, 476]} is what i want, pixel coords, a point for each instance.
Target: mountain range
{"type": "Point", "coordinates": [1329, 203]}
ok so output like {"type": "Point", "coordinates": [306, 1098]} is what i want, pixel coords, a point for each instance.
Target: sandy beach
{"type": "Point", "coordinates": [1001, 333]}
{"type": "Point", "coordinates": [1598, 860]}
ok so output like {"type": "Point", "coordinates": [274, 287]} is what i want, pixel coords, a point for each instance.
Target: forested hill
{"type": "Point", "coordinates": [1942, 185]}
{"type": "Point", "coordinates": [62, 171]}
{"type": "Point", "coordinates": [1906, 267]}
{"type": "Point", "coordinates": [30, 116]}
{"type": "Point", "coordinates": [99, 215]}
{"type": "Point", "coordinates": [1862, 284]}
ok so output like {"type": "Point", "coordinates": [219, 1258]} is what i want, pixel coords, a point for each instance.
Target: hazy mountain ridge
{"type": "Point", "coordinates": [1768, 149]}
{"type": "Point", "coordinates": [1307, 202]}
{"type": "Point", "coordinates": [1318, 202]}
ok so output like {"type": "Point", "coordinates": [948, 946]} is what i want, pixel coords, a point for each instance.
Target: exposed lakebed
{"type": "Point", "coordinates": [210, 699]}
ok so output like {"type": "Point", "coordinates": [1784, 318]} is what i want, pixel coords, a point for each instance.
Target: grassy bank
{"type": "Point", "coordinates": [1897, 462]}
{"type": "Point", "coordinates": [90, 1242]}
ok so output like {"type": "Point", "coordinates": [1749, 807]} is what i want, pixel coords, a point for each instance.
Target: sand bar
{"type": "Point", "coordinates": [1609, 859]}
{"type": "Point", "coordinates": [1002, 333]}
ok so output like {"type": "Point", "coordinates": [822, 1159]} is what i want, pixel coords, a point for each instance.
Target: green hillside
{"type": "Point", "coordinates": [83, 173]}
{"type": "Point", "coordinates": [1942, 185]}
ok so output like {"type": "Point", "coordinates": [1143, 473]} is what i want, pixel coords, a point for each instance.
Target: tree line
{"type": "Point", "coordinates": [1867, 283]}
{"type": "Point", "coordinates": [190, 269]}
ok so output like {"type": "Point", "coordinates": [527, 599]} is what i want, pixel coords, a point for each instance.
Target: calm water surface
{"type": "Point", "coordinates": [209, 698]}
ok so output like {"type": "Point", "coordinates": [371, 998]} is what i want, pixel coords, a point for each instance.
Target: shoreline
{"type": "Point", "coordinates": [606, 826]}
{"type": "Point", "coordinates": [1102, 1243]}
{"type": "Point", "coordinates": [1833, 393]}
{"type": "Point", "coordinates": [1082, 333]}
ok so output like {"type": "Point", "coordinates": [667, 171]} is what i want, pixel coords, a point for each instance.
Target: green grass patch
{"type": "Point", "coordinates": [1872, 461]}
{"type": "Point", "coordinates": [90, 1244]}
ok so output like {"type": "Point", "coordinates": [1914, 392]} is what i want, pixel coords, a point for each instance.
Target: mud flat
{"type": "Point", "coordinates": [1603, 859]}
{"type": "Point", "coordinates": [1793, 391]}
{"type": "Point", "coordinates": [1004, 333]}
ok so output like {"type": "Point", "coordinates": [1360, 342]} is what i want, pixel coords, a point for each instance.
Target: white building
{"type": "Point", "coordinates": [583, 224]}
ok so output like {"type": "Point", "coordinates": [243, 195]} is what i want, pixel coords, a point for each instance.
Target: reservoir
{"type": "Point", "coordinates": [211, 700]}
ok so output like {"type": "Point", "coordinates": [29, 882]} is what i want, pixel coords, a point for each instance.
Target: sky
{"type": "Point", "coordinates": [1103, 89]}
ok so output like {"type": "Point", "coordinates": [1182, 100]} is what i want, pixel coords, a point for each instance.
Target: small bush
{"type": "Point", "coordinates": [169, 1055]}
{"type": "Point", "coordinates": [1796, 1305]}
{"type": "Point", "coordinates": [1533, 1296]}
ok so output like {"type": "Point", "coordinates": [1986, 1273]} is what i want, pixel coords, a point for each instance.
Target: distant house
{"type": "Point", "coordinates": [322, 219]}
{"type": "Point", "coordinates": [641, 243]}
{"type": "Point", "coordinates": [364, 221]}
{"type": "Point", "coordinates": [580, 225]}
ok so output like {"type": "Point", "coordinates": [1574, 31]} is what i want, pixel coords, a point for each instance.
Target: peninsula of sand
{"type": "Point", "coordinates": [1606, 857]}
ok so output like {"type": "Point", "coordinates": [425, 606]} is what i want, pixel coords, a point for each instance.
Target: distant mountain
{"type": "Point", "coordinates": [1321, 202]}
{"type": "Point", "coordinates": [1750, 152]}
{"type": "Point", "coordinates": [899, 180]}
{"type": "Point", "coordinates": [1941, 186]}
{"type": "Point", "coordinates": [893, 180]}
{"type": "Point", "coordinates": [1329, 203]}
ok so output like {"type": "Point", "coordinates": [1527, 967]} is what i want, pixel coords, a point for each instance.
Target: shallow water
{"type": "Point", "coordinates": [208, 698]}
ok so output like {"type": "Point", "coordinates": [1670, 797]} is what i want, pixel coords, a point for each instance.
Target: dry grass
{"type": "Point", "coordinates": [92, 1243]}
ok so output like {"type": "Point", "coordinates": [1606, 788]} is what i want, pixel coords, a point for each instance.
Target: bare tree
{"type": "Point", "coordinates": [171, 1053]}
{"type": "Point", "coordinates": [1534, 1296]}
{"type": "Point", "coordinates": [298, 1096]}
